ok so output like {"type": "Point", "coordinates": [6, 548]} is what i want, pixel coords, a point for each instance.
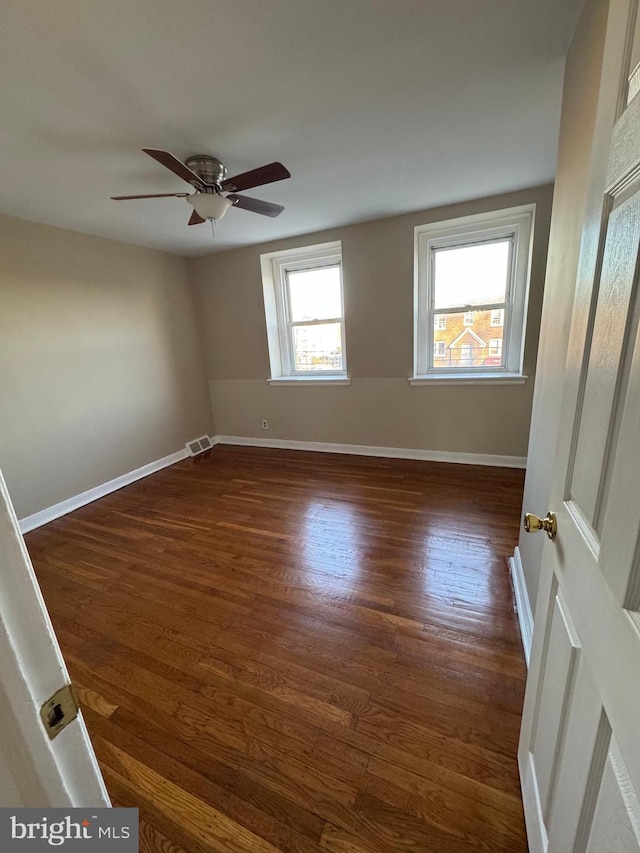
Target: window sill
{"type": "Point", "coordinates": [310, 380]}
{"type": "Point", "coordinates": [470, 379]}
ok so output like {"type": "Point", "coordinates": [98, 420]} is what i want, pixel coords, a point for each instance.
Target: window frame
{"type": "Point", "coordinates": [274, 267]}
{"type": "Point", "coordinates": [444, 350]}
{"type": "Point", "coordinates": [516, 224]}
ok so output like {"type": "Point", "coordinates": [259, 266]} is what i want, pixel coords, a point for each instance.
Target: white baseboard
{"type": "Point", "coordinates": [525, 617]}
{"type": "Point", "coordinates": [62, 508]}
{"type": "Point", "coordinates": [386, 452]}
{"type": "Point", "coordinates": [44, 516]}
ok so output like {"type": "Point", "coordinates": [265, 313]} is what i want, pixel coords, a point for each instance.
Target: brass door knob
{"type": "Point", "coordinates": [549, 524]}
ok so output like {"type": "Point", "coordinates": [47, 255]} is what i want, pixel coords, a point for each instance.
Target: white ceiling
{"type": "Point", "coordinates": [376, 107]}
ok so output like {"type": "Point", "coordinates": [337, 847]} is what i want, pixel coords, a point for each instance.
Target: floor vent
{"type": "Point", "coordinates": [199, 445]}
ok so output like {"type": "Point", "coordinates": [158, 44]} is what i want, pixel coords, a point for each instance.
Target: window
{"type": "Point", "coordinates": [472, 281]}
{"type": "Point", "coordinates": [304, 313]}
{"type": "Point", "coordinates": [439, 349]}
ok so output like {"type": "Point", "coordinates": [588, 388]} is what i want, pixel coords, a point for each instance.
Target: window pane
{"type": "Point", "coordinates": [317, 347]}
{"type": "Point", "coordinates": [314, 294]}
{"type": "Point", "coordinates": [471, 275]}
{"type": "Point", "coordinates": [469, 340]}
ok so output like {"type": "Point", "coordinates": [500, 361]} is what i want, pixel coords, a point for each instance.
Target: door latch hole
{"type": "Point", "coordinates": [59, 710]}
{"type": "Point", "coordinates": [55, 716]}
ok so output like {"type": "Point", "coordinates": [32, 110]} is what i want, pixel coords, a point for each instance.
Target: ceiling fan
{"type": "Point", "coordinates": [214, 192]}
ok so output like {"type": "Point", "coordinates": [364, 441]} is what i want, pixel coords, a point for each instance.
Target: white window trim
{"type": "Point", "coordinates": [517, 223]}
{"type": "Point", "coordinates": [444, 349]}
{"type": "Point", "coordinates": [309, 380]}
{"type": "Point", "coordinates": [274, 266]}
{"type": "Point", "coordinates": [495, 344]}
{"type": "Point", "coordinates": [461, 378]}
{"type": "Point", "coordinates": [500, 319]}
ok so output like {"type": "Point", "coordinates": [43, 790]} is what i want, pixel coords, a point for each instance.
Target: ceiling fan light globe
{"type": "Point", "coordinates": [210, 205]}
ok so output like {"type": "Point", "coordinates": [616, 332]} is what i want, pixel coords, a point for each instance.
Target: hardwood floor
{"type": "Point", "coordinates": [289, 651]}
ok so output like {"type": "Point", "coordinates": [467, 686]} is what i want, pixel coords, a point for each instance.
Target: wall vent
{"type": "Point", "coordinates": [199, 445]}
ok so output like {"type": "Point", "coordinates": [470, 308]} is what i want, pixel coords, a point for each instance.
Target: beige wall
{"type": "Point", "coordinates": [379, 407]}
{"type": "Point", "coordinates": [582, 78]}
{"type": "Point", "coordinates": [100, 369]}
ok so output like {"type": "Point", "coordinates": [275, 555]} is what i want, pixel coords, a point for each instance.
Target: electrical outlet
{"type": "Point", "coordinates": [265, 423]}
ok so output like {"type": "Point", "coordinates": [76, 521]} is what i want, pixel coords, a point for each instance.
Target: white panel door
{"type": "Point", "coordinates": [36, 770]}
{"type": "Point", "coordinates": [579, 750]}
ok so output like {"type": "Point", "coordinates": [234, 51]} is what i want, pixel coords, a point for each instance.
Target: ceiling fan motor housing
{"type": "Point", "coordinates": [208, 168]}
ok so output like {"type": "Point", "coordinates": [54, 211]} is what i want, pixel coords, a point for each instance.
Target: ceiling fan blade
{"type": "Point", "coordinates": [155, 195]}
{"type": "Point", "coordinates": [256, 205]}
{"type": "Point", "coordinates": [257, 177]}
{"type": "Point", "coordinates": [174, 165]}
{"type": "Point", "coordinates": [195, 219]}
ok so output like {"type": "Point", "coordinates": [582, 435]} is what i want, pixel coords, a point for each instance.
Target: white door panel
{"type": "Point", "coordinates": [555, 700]}
{"type": "Point", "coordinates": [615, 827]}
{"type": "Point", "coordinates": [586, 739]}
{"type": "Point", "coordinates": [36, 770]}
{"type": "Point", "coordinates": [608, 340]}
{"type": "Point", "coordinates": [580, 741]}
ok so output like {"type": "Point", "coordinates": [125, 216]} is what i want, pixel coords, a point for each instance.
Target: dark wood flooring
{"type": "Point", "coordinates": [289, 651]}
